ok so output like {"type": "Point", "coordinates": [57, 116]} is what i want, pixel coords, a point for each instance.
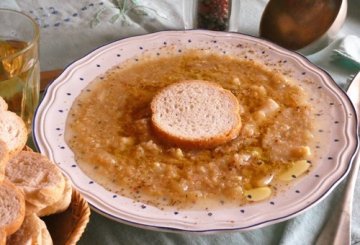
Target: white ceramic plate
{"type": "Point", "coordinates": [49, 124]}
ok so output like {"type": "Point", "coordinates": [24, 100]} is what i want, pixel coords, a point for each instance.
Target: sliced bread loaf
{"type": "Point", "coordinates": [62, 204]}
{"type": "Point", "coordinates": [4, 158]}
{"type": "Point", "coordinates": [12, 131]}
{"type": "Point", "coordinates": [33, 232]}
{"type": "Point", "coordinates": [195, 114]}
{"type": "Point", "coordinates": [12, 207]}
{"type": "Point", "coordinates": [41, 180]}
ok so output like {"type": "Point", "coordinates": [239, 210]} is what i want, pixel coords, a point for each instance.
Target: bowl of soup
{"type": "Point", "coordinates": [296, 142]}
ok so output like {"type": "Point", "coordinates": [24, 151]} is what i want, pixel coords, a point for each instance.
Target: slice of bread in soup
{"type": "Point", "coordinates": [195, 114]}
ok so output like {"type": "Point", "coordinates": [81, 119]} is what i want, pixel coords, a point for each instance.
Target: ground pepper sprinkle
{"type": "Point", "coordinates": [213, 14]}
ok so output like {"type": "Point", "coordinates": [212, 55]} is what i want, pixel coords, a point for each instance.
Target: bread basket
{"type": "Point", "coordinates": [67, 227]}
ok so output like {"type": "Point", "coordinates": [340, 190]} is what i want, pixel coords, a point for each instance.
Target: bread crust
{"type": "Point", "coordinates": [201, 142]}
{"type": "Point", "coordinates": [4, 158]}
{"type": "Point", "coordinates": [3, 104]}
{"type": "Point", "coordinates": [185, 143]}
{"type": "Point", "coordinates": [13, 132]}
{"type": "Point", "coordinates": [16, 195]}
{"type": "Point", "coordinates": [40, 179]}
{"type": "Point", "coordinates": [2, 237]}
{"type": "Point", "coordinates": [33, 231]}
{"type": "Point", "coordinates": [62, 204]}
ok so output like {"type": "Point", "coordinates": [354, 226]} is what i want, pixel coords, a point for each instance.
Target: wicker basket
{"type": "Point", "coordinates": [67, 227]}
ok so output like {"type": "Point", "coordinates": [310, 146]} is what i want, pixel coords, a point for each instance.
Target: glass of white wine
{"type": "Point", "coordinates": [19, 63]}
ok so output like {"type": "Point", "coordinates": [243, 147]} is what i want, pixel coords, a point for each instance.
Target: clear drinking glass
{"type": "Point", "coordinates": [19, 63]}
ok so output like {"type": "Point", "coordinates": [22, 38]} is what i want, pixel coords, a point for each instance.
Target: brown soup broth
{"type": "Point", "coordinates": [109, 130]}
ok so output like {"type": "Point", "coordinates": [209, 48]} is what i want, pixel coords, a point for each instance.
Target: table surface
{"type": "Point", "coordinates": [71, 30]}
